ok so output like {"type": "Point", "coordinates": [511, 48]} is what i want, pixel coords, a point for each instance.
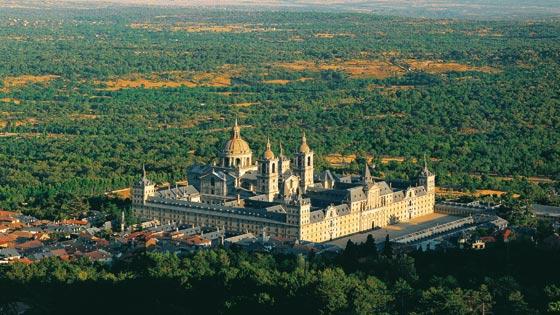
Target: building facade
{"type": "Point", "coordinates": [283, 198]}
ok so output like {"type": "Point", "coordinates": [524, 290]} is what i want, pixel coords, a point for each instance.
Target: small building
{"type": "Point", "coordinates": [8, 255]}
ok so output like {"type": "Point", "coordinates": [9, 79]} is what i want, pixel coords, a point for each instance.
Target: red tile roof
{"type": "Point", "coordinates": [29, 245]}
{"type": "Point", "coordinates": [197, 240]}
{"type": "Point", "coordinates": [4, 213]}
{"type": "Point", "coordinates": [61, 253]}
{"type": "Point", "coordinates": [8, 219]}
{"type": "Point", "coordinates": [22, 234]}
{"type": "Point", "coordinates": [7, 239]}
{"type": "Point", "coordinates": [74, 222]}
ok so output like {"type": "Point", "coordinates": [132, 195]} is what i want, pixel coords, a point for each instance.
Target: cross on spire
{"type": "Point", "coordinates": [235, 131]}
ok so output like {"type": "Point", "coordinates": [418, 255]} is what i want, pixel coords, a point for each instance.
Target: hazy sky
{"type": "Point", "coordinates": [424, 8]}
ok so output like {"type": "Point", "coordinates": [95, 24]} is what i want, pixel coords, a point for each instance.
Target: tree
{"type": "Point", "coordinates": [387, 247]}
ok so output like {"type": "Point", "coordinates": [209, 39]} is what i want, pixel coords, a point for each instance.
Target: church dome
{"type": "Point", "coordinates": [304, 148]}
{"type": "Point", "coordinates": [268, 154]}
{"type": "Point", "coordinates": [236, 145]}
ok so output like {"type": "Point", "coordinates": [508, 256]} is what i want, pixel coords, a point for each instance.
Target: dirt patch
{"type": "Point", "coordinates": [381, 69]}
{"type": "Point", "coordinates": [531, 179]}
{"type": "Point", "coordinates": [337, 159]}
{"type": "Point", "coordinates": [123, 194]}
{"type": "Point", "coordinates": [222, 77]}
{"type": "Point", "coordinates": [22, 80]}
{"type": "Point", "coordinates": [279, 81]}
{"type": "Point", "coordinates": [31, 134]}
{"type": "Point", "coordinates": [25, 122]}
{"type": "Point", "coordinates": [10, 100]}
{"type": "Point", "coordinates": [440, 66]}
{"type": "Point", "coordinates": [137, 81]}
{"type": "Point", "coordinates": [245, 104]}
{"type": "Point", "coordinates": [441, 191]}
{"type": "Point", "coordinates": [83, 116]}
{"type": "Point", "coordinates": [203, 27]}
{"type": "Point", "coordinates": [389, 90]}
{"type": "Point", "coordinates": [356, 68]}
{"type": "Point", "coordinates": [333, 35]}
{"type": "Point", "coordinates": [483, 32]}
{"type": "Point", "coordinates": [284, 82]}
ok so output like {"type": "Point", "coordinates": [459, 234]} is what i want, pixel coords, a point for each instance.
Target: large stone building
{"type": "Point", "coordinates": [283, 197]}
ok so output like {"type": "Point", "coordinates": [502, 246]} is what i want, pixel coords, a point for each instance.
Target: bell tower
{"type": "Point", "coordinates": [427, 178]}
{"type": "Point", "coordinates": [371, 189]}
{"type": "Point", "coordinates": [143, 189]}
{"type": "Point", "coordinates": [267, 176]}
{"type": "Point", "coordinates": [303, 164]}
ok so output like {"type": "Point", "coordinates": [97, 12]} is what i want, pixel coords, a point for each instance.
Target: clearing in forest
{"type": "Point", "coordinates": [381, 69]}
{"type": "Point", "coordinates": [10, 100]}
{"type": "Point", "coordinates": [222, 77]}
{"type": "Point", "coordinates": [203, 27]}
{"type": "Point", "coordinates": [356, 68]}
{"type": "Point", "coordinates": [440, 66]}
{"type": "Point", "coordinates": [245, 104]}
{"type": "Point", "coordinates": [333, 35]}
{"type": "Point", "coordinates": [10, 83]}
{"type": "Point", "coordinates": [83, 116]}
{"type": "Point", "coordinates": [284, 82]}
{"type": "Point", "coordinates": [442, 191]}
{"type": "Point", "coordinates": [337, 159]}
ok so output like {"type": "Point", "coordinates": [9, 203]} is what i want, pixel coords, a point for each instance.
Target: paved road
{"type": "Point", "coordinates": [399, 229]}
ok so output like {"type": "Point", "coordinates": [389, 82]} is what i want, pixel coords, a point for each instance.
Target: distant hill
{"type": "Point", "coordinates": [470, 9]}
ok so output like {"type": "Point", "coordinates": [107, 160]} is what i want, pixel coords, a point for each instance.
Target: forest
{"type": "Point", "coordinates": [514, 278]}
{"type": "Point", "coordinates": [88, 96]}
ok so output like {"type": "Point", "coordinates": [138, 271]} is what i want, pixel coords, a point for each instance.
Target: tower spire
{"type": "Point", "coordinates": [367, 175]}
{"type": "Point", "coordinates": [304, 147]}
{"type": "Point", "coordinates": [268, 154]}
{"type": "Point", "coordinates": [143, 171]}
{"type": "Point", "coordinates": [235, 131]}
{"type": "Point", "coordinates": [425, 170]}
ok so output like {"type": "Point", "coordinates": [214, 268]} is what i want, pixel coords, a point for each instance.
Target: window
{"type": "Point", "coordinates": [237, 162]}
{"type": "Point", "coordinates": [273, 167]}
{"type": "Point", "coordinates": [308, 161]}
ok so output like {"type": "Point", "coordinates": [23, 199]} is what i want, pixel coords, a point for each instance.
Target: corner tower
{"type": "Point", "coordinates": [303, 166]}
{"type": "Point", "coordinates": [267, 176]}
